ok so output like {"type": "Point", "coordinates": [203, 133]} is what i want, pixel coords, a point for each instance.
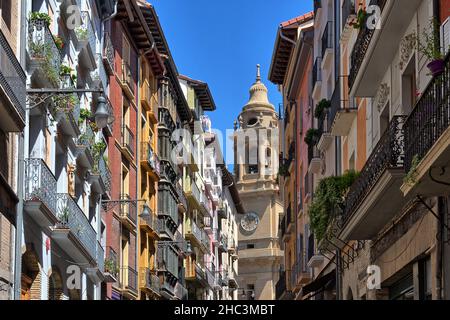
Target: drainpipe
{"type": "Point", "coordinates": [282, 36]}
{"type": "Point", "coordinates": [20, 172]}
{"type": "Point", "coordinates": [138, 167]}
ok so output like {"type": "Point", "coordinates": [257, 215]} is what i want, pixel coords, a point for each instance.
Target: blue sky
{"type": "Point", "coordinates": [220, 42]}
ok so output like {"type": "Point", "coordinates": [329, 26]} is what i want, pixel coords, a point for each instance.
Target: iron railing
{"type": "Point", "coordinates": [100, 257]}
{"type": "Point", "coordinates": [105, 173]}
{"type": "Point", "coordinates": [181, 292]}
{"type": "Point", "coordinates": [388, 154]}
{"type": "Point", "coordinates": [128, 278]}
{"type": "Point", "coordinates": [89, 30]}
{"type": "Point", "coordinates": [12, 77]}
{"type": "Point", "coordinates": [127, 76]}
{"type": "Point", "coordinates": [339, 102]}
{"type": "Point", "coordinates": [362, 45]}
{"type": "Point", "coordinates": [108, 54]}
{"type": "Point", "coordinates": [429, 118]}
{"type": "Point", "coordinates": [128, 139]}
{"type": "Point", "coordinates": [87, 137]}
{"type": "Point", "coordinates": [42, 47]}
{"type": "Point", "coordinates": [327, 38]}
{"type": "Point", "coordinates": [317, 71]}
{"type": "Point", "coordinates": [149, 279]}
{"type": "Point", "coordinates": [313, 153]}
{"type": "Point", "coordinates": [71, 216]}
{"type": "Point", "coordinates": [149, 156]}
{"type": "Point", "coordinates": [128, 208]}
{"type": "Point", "coordinates": [40, 183]}
{"type": "Point", "coordinates": [111, 262]}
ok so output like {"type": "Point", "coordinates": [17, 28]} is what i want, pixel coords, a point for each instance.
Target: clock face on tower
{"type": "Point", "coordinates": [250, 222]}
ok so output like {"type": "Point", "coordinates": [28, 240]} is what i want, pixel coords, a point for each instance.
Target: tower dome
{"type": "Point", "coordinates": [258, 94]}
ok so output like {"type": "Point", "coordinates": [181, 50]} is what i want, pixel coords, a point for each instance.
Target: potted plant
{"type": "Point", "coordinates": [85, 114]}
{"type": "Point", "coordinates": [59, 42]}
{"type": "Point", "coordinates": [323, 105]}
{"type": "Point", "coordinates": [430, 47]}
{"type": "Point", "coordinates": [361, 18]}
{"type": "Point", "coordinates": [40, 16]}
{"type": "Point", "coordinates": [311, 137]}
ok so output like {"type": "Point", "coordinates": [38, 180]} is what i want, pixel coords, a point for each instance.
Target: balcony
{"type": "Point", "coordinates": [99, 77]}
{"type": "Point", "coordinates": [206, 204]}
{"type": "Point", "coordinates": [97, 274]}
{"type": "Point", "coordinates": [73, 232]}
{"type": "Point", "coordinates": [193, 193]}
{"type": "Point", "coordinates": [84, 145]}
{"type": "Point", "coordinates": [128, 143]}
{"type": "Point", "coordinates": [128, 211]}
{"type": "Point", "coordinates": [67, 113]}
{"type": "Point", "coordinates": [149, 281]}
{"type": "Point", "coordinates": [375, 48]}
{"type": "Point", "coordinates": [149, 101]}
{"type": "Point", "coordinates": [12, 89]}
{"type": "Point", "coordinates": [327, 45]}
{"type": "Point", "coordinates": [427, 136]}
{"type": "Point", "coordinates": [87, 41]}
{"type": "Point", "coordinates": [150, 223]}
{"type": "Point", "coordinates": [315, 160]}
{"type": "Point", "coordinates": [44, 57]}
{"type": "Point", "coordinates": [111, 266]}
{"type": "Point", "coordinates": [150, 160]}
{"type": "Point", "coordinates": [196, 275]}
{"type": "Point", "coordinates": [343, 111]}
{"type": "Point", "coordinates": [375, 197]}
{"type": "Point", "coordinates": [128, 281]}
{"type": "Point", "coordinates": [326, 137]}
{"type": "Point", "coordinates": [101, 176]}
{"type": "Point", "coordinates": [317, 78]}
{"type": "Point", "coordinates": [108, 54]}
{"type": "Point", "coordinates": [108, 131]}
{"type": "Point", "coordinates": [197, 236]}
{"type": "Point", "coordinates": [40, 192]}
{"type": "Point", "coordinates": [182, 200]}
{"type": "Point", "coordinates": [302, 275]}
{"type": "Point", "coordinates": [223, 241]}
{"type": "Point", "coordinates": [181, 293]}
{"type": "Point", "coordinates": [348, 17]}
{"type": "Point", "coordinates": [127, 80]}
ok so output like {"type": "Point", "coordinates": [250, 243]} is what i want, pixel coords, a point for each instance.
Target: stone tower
{"type": "Point", "coordinates": [256, 168]}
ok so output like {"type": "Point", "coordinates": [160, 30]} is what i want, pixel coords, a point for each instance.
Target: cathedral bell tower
{"type": "Point", "coordinates": [256, 167]}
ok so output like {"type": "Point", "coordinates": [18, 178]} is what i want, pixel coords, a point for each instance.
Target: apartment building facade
{"type": "Point", "coordinates": [12, 104]}
{"type": "Point", "coordinates": [66, 173]}
{"type": "Point", "coordinates": [291, 69]}
{"type": "Point", "coordinates": [379, 135]}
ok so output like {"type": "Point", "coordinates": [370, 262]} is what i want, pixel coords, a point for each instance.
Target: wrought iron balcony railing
{"type": "Point", "coordinates": [43, 49]}
{"type": "Point", "coordinates": [127, 77]}
{"type": "Point", "coordinates": [12, 77]}
{"type": "Point", "coordinates": [340, 102]}
{"type": "Point", "coordinates": [105, 173]}
{"type": "Point", "coordinates": [327, 38]}
{"type": "Point", "coordinates": [128, 208]}
{"type": "Point", "coordinates": [100, 257]}
{"type": "Point", "coordinates": [313, 153]}
{"type": "Point", "coordinates": [128, 279]}
{"type": "Point", "coordinates": [389, 153]}
{"type": "Point", "coordinates": [362, 45]}
{"type": "Point", "coordinates": [149, 279]}
{"type": "Point", "coordinates": [87, 137]}
{"type": "Point", "coordinates": [72, 216]}
{"type": "Point", "coordinates": [112, 262]}
{"type": "Point", "coordinates": [429, 118]}
{"type": "Point", "coordinates": [88, 31]}
{"type": "Point", "coordinates": [40, 184]}
{"type": "Point", "coordinates": [150, 157]}
{"type": "Point", "coordinates": [181, 292]}
{"type": "Point", "coordinates": [108, 54]}
{"type": "Point", "coordinates": [317, 71]}
{"type": "Point", "coordinates": [128, 139]}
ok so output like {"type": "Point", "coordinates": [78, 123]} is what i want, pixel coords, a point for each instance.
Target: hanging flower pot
{"type": "Point", "coordinates": [437, 67]}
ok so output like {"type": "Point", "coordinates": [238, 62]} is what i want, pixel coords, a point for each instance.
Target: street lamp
{"type": "Point", "coordinates": [102, 116]}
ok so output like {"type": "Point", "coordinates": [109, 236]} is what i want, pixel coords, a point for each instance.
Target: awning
{"type": "Point", "coordinates": [320, 283]}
